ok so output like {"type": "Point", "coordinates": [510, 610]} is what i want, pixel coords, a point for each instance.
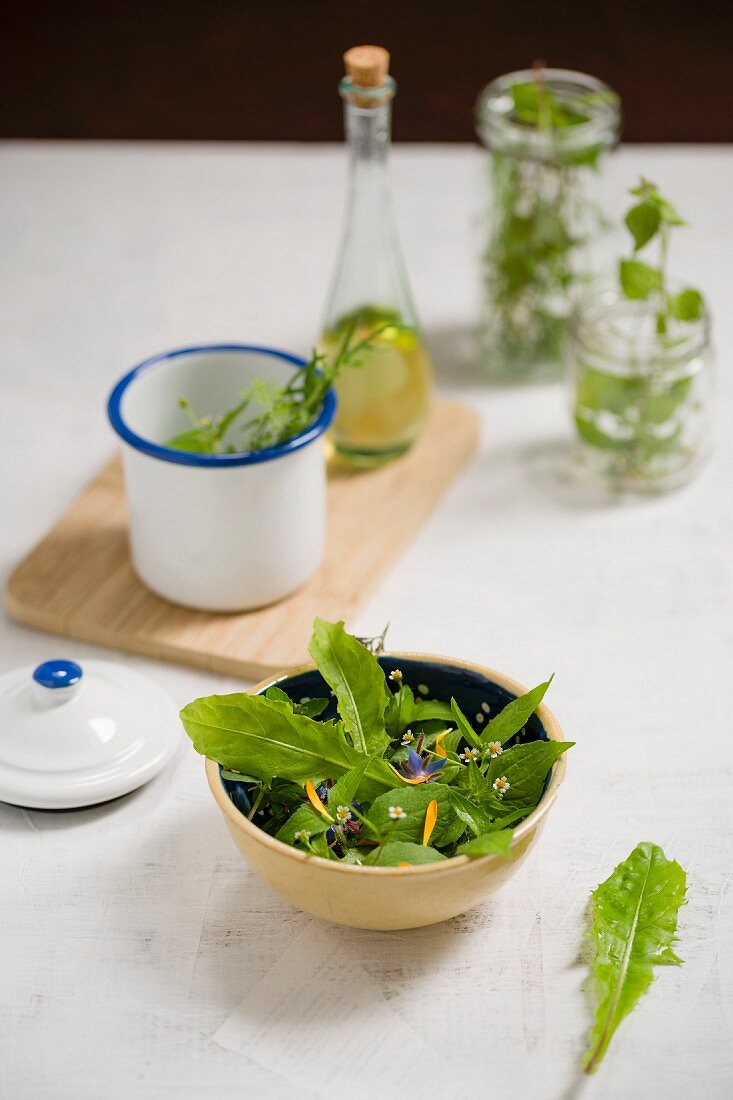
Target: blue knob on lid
{"type": "Point", "coordinates": [58, 674]}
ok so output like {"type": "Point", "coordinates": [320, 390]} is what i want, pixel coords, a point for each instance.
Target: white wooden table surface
{"type": "Point", "coordinates": [130, 932]}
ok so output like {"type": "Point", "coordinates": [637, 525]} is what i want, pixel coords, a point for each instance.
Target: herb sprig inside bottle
{"type": "Point", "coordinates": [276, 413]}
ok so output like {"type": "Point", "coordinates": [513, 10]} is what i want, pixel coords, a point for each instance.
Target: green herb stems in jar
{"type": "Point", "coordinates": [640, 365]}
{"type": "Point", "coordinates": [547, 132]}
{"type": "Point", "coordinates": [641, 399]}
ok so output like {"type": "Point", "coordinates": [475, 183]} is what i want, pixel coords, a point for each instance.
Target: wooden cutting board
{"type": "Point", "coordinates": [79, 580]}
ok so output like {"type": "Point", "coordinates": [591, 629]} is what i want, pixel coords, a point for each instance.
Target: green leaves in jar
{"type": "Point", "coordinates": [652, 218]}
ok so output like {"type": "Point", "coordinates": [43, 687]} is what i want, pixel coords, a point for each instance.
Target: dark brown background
{"type": "Point", "coordinates": [267, 70]}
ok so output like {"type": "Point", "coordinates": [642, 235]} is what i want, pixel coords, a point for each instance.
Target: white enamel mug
{"type": "Point", "coordinates": [226, 532]}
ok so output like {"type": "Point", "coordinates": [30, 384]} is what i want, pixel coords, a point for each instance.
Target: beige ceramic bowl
{"type": "Point", "coordinates": [389, 898]}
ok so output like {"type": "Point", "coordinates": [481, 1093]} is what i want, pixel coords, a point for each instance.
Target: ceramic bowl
{"type": "Point", "coordinates": [392, 897]}
{"type": "Point", "coordinates": [217, 532]}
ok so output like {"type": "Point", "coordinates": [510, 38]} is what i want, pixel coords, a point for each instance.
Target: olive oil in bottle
{"type": "Point", "coordinates": [383, 402]}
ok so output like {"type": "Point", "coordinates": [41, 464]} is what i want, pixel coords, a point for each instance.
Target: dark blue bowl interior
{"type": "Point", "coordinates": [442, 680]}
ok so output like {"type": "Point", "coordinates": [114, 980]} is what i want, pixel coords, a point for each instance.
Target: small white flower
{"type": "Point", "coordinates": [486, 708]}
{"type": "Point", "coordinates": [494, 749]}
{"type": "Point", "coordinates": [396, 813]}
{"type": "Point", "coordinates": [423, 689]}
{"type": "Point", "coordinates": [408, 737]}
{"type": "Point", "coordinates": [396, 675]}
{"type": "Point", "coordinates": [501, 785]}
{"type": "Point", "coordinates": [468, 755]}
{"type": "Point", "coordinates": [480, 718]}
{"type": "Point", "coordinates": [343, 813]}
{"type": "Point", "coordinates": [305, 699]}
{"type": "Point", "coordinates": [301, 834]}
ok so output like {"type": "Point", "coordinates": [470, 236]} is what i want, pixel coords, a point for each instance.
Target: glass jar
{"type": "Point", "coordinates": [547, 132]}
{"type": "Point", "coordinates": [640, 398]}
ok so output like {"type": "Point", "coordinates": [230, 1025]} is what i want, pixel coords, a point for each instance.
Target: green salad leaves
{"type": "Point", "coordinates": [393, 778]}
{"type": "Point", "coordinates": [372, 773]}
{"type": "Point", "coordinates": [634, 925]}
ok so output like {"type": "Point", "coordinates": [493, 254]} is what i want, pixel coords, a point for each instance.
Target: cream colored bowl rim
{"type": "Point", "coordinates": [455, 863]}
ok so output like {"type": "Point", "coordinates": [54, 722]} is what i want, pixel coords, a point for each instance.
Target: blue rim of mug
{"type": "Point", "coordinates": [187, 458]}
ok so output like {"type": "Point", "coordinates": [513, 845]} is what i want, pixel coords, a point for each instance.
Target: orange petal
{"type": "Point", "coordinates": [403, 864]}
{"type": "Point", "coordinates": [439, 750]}
{"type": "Point", "coordinates": [315, 801]}
{"type": "Point", "coordinates": [431, 816]}
{"type": "Point", "coordinates": [412, 782]}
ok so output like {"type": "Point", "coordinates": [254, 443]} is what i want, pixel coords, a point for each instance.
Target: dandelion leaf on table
{"type": "Point", "coordinates": [634, 924]}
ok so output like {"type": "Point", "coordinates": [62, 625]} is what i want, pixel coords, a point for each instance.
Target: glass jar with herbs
{"type": "Point", "coordinates": [640, 365]}
{"type": "Point", "coordinates": [547, 132]}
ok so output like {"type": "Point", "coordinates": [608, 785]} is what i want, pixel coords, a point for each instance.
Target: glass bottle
{"type": "Point", "coordinates": [640, 398]}
{"type": "Point", "coordinates": [383, 402]}
{"type": "Point", "coordinates": [547, 132]}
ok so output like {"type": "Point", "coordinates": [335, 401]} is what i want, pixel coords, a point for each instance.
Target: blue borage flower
{"type": "Point", "coordinates": [418, 770]}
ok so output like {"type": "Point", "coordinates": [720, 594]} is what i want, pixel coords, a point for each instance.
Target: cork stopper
{"type": "Point", "coordinates": [367, 66]}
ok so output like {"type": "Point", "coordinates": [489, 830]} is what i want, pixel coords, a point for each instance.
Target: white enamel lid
{"type": "Point", "coordinates": [73, 736]}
